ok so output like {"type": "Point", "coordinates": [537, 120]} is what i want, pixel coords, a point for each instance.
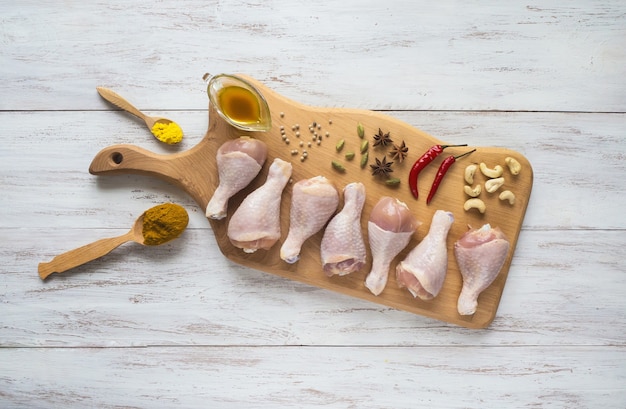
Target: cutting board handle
{"type": "Point", "coordinates": [190, 170]}
{"type": "Point", "coordinates": [130, 159]}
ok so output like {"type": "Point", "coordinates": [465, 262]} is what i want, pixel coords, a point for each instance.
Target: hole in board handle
{"type": "Point", "coordinates": [117, 158]}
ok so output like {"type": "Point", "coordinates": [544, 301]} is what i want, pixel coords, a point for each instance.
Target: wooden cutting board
{"type": "Point", "coordinates": [195, 172]}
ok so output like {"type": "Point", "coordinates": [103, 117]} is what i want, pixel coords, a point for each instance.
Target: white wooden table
{"type": "Point", "coordinates": [181, 326]}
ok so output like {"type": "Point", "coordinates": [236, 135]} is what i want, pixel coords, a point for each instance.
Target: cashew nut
{"type": "Point", "coordinates": [472, 192]}
{"type": "Point", "coordinates": [513, 164]}
{"type": "Point", "coordinates": [474, 204]}
{"type": "Point", "coordinates": [496, 172]}
{"type": "Point", "coordinates": [494, 184]}
{"type": "Point", "coordinates": [469, 173]}
{"type": "Point", "coordinates": [507, 195]}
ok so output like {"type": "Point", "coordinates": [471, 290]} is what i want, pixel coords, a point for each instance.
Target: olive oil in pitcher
{"type": "Point", "coordinates": [239, 103]}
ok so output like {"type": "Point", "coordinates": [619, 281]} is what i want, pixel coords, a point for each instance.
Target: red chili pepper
{"type": "Point", "coordinates": [422, 162]}
{"type": "Point", "coordinates": [443, 168]}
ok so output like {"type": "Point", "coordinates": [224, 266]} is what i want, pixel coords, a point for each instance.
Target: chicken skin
{"type": "Point", "coordinates": [480, 254]}
{"type": "Point", "coordinates": [424, 269]}
{"type": "Point", "coordinates": [343, 248]}
{"type": "Point", "coordinates": [313, 202]}
{"type": "Point", "coordinates": [389, 229]}
{"type": "Point", "coordinates": [256, 222]}
{"type": "Point", "coordinates": [239, 161]}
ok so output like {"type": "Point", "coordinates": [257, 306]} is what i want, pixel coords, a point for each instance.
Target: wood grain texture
{"type": "Point", "coordinates": [85, 253]}
{"type": "Point", "coordinates": [392, 55]}
{"type": "Point", "coordinates": [234, 377]}
{"type": "Point", "coordinates": [187, 293]}
{"type": "Point", "coordinates": [184, 326]}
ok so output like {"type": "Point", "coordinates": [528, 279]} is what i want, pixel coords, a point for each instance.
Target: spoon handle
{"type": "Point", "coordinates": [120, 102]}
{"type": "Point", "coordinates": [82, 255]}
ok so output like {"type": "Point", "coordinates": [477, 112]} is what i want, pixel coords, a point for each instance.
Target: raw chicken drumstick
{"type": "Point", "coordinates": [480, 255]}
{"type": "Point", "coordinates": [389, 228]}
{"type": "Point", "coordinates": [256, 223]}
{"type": "Point", "coordinates": [424, 269]}
{"type": "Point", "coordinates": [313, 202]}
{"type": "Point", "coordinates": [238, 163]}
{"type": "Point", "coordinates": [343, 248]}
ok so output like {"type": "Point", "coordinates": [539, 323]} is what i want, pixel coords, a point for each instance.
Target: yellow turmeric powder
{"type": "Point", "coordinates": [169, 133]}
{"type": "Point", "coordinates": [163, 223]}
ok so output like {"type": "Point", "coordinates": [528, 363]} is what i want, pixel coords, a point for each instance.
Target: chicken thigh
{"type": "Point", "coordinates": [480, 254]}
{"type": "Point", "coordinates": [313, 202]}
{"type": "Point", "coordinates": [256, 222]}
{"type": "Point", "coordinates": [239, 161]}
{"type": "Point", "coordinates": [389, 229]}
{"type": "Point", "coordinates": [424, 269]}
{"type": "Point", "coordinates": [343, 248]}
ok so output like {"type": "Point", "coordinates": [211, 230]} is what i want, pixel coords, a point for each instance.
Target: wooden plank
{"type": "Point", "coordinates": [578, 157]}
{"type": "Point", "coordinates": [187, 293]}
{"type": "Point", "coordinates": [391, 55]}
{"type": "Point", "coordinates": [195, 171]}
{"type": "Point", "coordinates": [364, 377]}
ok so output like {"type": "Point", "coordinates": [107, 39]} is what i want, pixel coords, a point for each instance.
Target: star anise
{"type": "Point", "coordinates": [399, 152]}
{"type": "Point", "coordinates": [382, 139]}
{"type": "Point", "coordinates": [382, 167]}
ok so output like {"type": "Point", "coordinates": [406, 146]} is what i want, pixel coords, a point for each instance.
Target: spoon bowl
{"type": "Point", "coordinates": [136, 232]}
{"type": "Point", "coordinates": [152, 120]}
{"type": "Point", "coordinates": [117, 100]}
{"type": "Point", "coordinates": [97, 249]}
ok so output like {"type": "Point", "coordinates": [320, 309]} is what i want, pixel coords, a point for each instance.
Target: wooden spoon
{"type": "Point", "coordinates": [92, 251]}
{"type": "Point", "coordinates": [120, 102]}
